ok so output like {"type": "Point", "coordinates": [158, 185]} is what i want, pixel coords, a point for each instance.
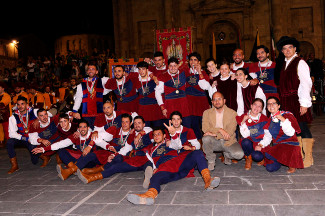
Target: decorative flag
{"type": "Point", "coordinates": [175, 43]}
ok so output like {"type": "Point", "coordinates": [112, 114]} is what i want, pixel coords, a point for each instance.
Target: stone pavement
{"type": "Point", "coordinates": [36, 191]}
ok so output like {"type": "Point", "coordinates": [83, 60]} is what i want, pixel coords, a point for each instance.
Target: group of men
{"type": "Point", "coordinates": [155, 119]}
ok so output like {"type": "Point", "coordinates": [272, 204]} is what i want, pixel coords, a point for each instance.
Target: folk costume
{"type": "Point", "coordinates": [89, 96]}
{"type": "Point", "coordinates": [125, 91]}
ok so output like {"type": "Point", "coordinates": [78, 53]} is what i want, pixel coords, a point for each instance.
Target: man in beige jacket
{"type": "Point", "coordinates": [219, 127]}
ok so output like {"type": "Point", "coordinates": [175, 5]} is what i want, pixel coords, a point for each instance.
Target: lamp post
{"type": "Point", "coordinates": [15, 45]}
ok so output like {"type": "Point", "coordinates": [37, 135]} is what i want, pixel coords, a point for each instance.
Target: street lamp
{"type": "Point", "coordinates": [15, 45]}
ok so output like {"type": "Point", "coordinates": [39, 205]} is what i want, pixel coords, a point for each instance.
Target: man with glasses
{"type": "Point", "coordinates": [219, 126]}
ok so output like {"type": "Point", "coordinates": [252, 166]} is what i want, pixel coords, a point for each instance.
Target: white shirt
{"type": "Point", "coordinates": [240, 100]}
{"type": "Point", "coordinates": [261, 65]}
{"type": "Point", "coordinates": [79, 94]}
{"type": "Point", "coordinates": [305, 84]}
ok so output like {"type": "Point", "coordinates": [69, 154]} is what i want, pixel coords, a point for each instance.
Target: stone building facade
{"type": "Point", "coordinates": [8, 54]}
{"type": "Point", "coordinates": [233, 22]}
{"type": "Point", "coordinates": [83, 44]}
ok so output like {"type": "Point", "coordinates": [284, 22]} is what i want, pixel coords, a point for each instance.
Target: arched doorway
{"type": "Point", "coordinates": [306, 48]}
{"type": "Point", "coordinates": [226, 40]}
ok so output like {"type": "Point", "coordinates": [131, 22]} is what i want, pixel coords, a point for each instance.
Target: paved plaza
{"type": "Point", "coordinates": [39, 191]}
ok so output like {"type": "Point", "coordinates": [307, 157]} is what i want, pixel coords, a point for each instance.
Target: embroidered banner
{"type": "Point", "coordinates": [175, 43]}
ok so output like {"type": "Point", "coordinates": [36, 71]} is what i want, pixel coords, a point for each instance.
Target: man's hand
{"type": "Point", "coordinates": [233, 76]}
{"type": "Point", "coordinates": [137, 139]}
{"type": "Point", "coordinates": [155, 170]}
{"type": "Point", "coordinates": [164, 112]}
{"type": "Point", "coordinates": [246, 117]}
{"type": "Point", "coordinates": [214, 84]}
{"type": "Point", "coordinates": [188, 148]}
{"type": "Point", "coordinates": [148, 60]}
{"type": "Point", "coordinates": [76, 115]}
{"type": "Point", "coordinates": [95, 135]}
{"type": "Point", "coordinates": [37, 150]}
{"type": "Point", "coordinates": [303, 110]}
{"type": "Point", "coordinates": [254, 82]}
{"type": "Point", "coordinates": [110, 158]}
{"type": "Point", "coordinates": [36, 124]}
{"type": "Point", "coordinates": [258, 148]}
{"type": "Point", "coordinates": [86, 151]}
{"type": "Point", "coordinates": [76, 134]}
{"type": "Point", "coordinates": [209, 134]}
{"type": "Point", "coordinates": [170, 128]}
{"type": "Point", "coordinates": [224, 133]}
{"type": "Point", "coordinates": [45, 142]}
{"type": "Point", "coordinates": [111, 148]}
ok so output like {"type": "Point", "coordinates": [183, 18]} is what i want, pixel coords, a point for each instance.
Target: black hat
{"type": "Point", "coordinates": [284, 40]}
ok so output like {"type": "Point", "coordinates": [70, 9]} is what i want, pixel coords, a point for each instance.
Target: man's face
{"type": "Point", "coordinates": [47, 89]}
{"type": "Point", "coordinates": [43, 117]}
{"type": "Point", "coordinates": [194, 61]}
{"type": "Point", "coordinates": [83, 129]}
{"type": "Point", "coordinates": [108, 109]}
{"type": "Point", "coordinates": [126, 124]}
{"type": "Point", "coordinates": [256, 107]}
{"type": "Point", "coordinates": [143, 71]}
{"type": "Point", "coordinates": [138, 125]}
{"type": "Point", "coordinates": [288, 50]}
{"type": "Point", "coordinates": [118, 73]}
{"type": "Point", "coordinates": [173, 68]}
{"type": "Point", "coordinates": [158, 136]}
{"type": "Point", "coordinates": [64, 123]}
{"type": "Point", "coordinates": [65, 84]}
{"type": "Point", "coordinates": [17, 89]}
{"type": "Point", "coordinates": [238, 56]}
{"type": "Point", "coordinates": [33, 91]}
{"type": "Point", "coordinates": [261, 55]}
{"type": "Point", "coordinates": [176, 121]}
{"type": "Point", "coordinates": [73, 82]}
{"type": "Point", "coordinates": [218, 101]}
{"type": "Point", "coordinates": [159, 61]}
{"type": "Point", "coordinates": [212, 67]}
{"type": "Point", "coordinates": [22, 106]}
{"type": "Point", "coordinates": [92, 71]}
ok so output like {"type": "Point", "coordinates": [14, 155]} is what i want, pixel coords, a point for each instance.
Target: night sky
{"type": "Point", "coordinates": [47, 23]}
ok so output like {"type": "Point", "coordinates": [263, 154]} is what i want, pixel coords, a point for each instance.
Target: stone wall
{"type": "Point", "coordinates": [136, 20]}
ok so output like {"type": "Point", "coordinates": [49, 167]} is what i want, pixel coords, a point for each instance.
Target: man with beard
{"type": "Point", "coordinates": [123, 86]}
{"type": "Point", "coordinates": [159, 61]}
{"type": "Point", "coordinates": [219, 126]}
{"type": "Point", "coordinates": [238, 57]}
{"type": "Point", "coordinates": [175, 165]}
{"type": "Point", "coordinates": [263, 71]}
{"type": "Point", "coordinates": [73, 158]}
{"type": "Point", "coordinates": [19, 126]}
{"type": "Point", "coordinates": [109, 118]}
{"type": "Point", "coordinates": [134, 162]}
{"type": "Point", "coordinates": [89, 96]}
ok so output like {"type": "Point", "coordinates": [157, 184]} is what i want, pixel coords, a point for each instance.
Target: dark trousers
{"type": "Point", "coordinates": [196, 122]}
{"type": "Point", "coordinates": [192, 160]}
{"type": "Point", "coordinates": [248, 149]}
{"type": "Point", "coordinates": [12, 143]}
{"type": "Point", "coordinates": [123, 167]}
{"type": "Point", "coordinates": [305, 132]}
{"type": "Point", "coordinates": [88, 161]}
